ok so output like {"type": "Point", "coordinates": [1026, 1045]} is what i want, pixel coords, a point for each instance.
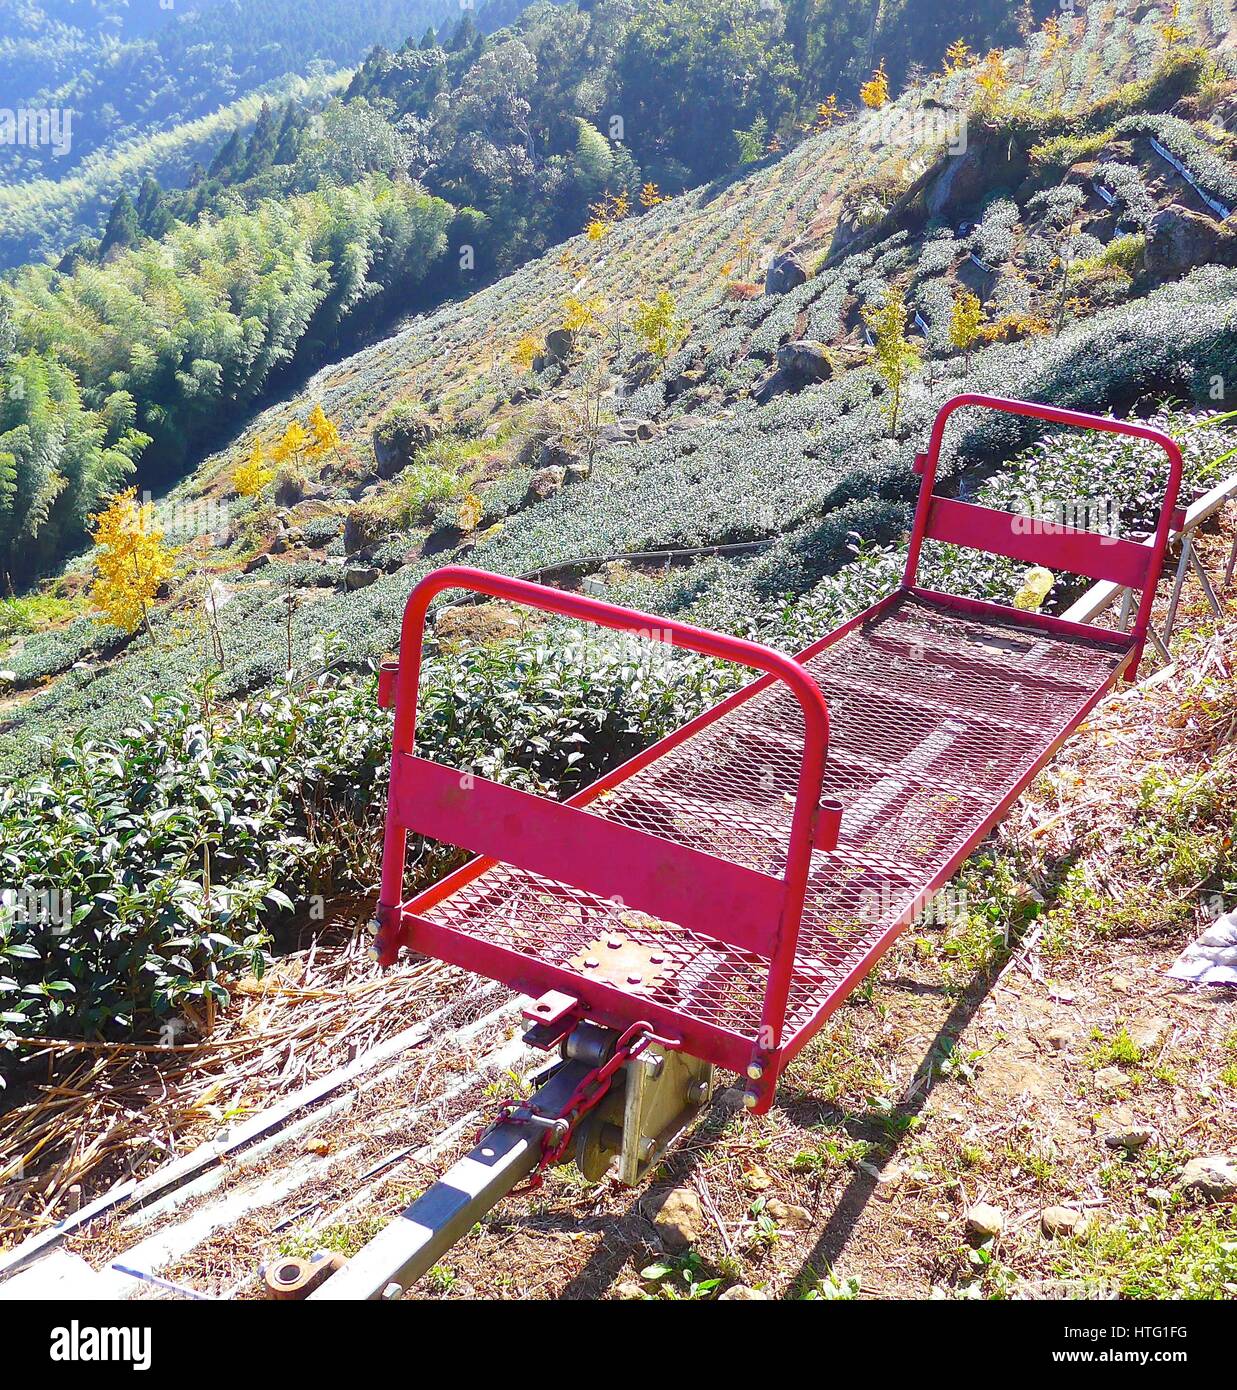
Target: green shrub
{"type": "Point", "coordinates": [32, 613]}
{"type": "Point", "coordinates": [144, 870]}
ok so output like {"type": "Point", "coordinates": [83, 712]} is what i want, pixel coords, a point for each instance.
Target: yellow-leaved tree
{"type": "Point", "coordinates": [526, 352]}
{"type": "Point", "coordinates": [1171, 30]}
{"type": "Point", "coordinates": [875, 91]}
{"type": "Point", "coordinates": [292, 445]}
{"type": "Point", "coordinates": [132, 561]}
{"type": "Point", "coordinates": [253, 475]}
{"type": "Point", "coordinates": [658, 327]}
{"type": "Point", "coordinates": [958, 57]}
{"type": "Point", "coordinates": [896, 356]}
{"type": "Point", "coordinates": [828, 113]}
{"type": "Point", "coordinates": [470, 513]}
{"type": "Point", "coordinates": [993, 77]}
{"type": "Point", "coordinates": [965, 320]}
{"type": "Point", "coordinates": [323, 434]}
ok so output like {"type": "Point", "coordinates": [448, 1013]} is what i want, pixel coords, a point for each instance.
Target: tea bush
{"type": "Point", "coordinates": [161, 854]}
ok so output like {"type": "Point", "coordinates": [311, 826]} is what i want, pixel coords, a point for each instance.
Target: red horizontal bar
{"type": "Point", "coordinates": [603, 1003]}
{"type": "Point", "coordinates": [1039, 543]}
{"type": "Point", "coordinates": [704, 894]}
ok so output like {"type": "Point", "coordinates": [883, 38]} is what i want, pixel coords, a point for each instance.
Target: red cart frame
{"type": "Point", "coordinates": [737, 916]}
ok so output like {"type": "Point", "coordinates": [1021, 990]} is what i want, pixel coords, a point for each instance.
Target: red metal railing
{"type": "Point", "coordinates": [560, 841]}
{"type": "Point", "coordinates": [1057, 547]}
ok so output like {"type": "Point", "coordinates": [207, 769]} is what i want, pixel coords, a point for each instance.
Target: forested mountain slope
{"type": "Point", "coordinates": [519, 134]}
{"type": "Point", "coordinates": [149, 91]}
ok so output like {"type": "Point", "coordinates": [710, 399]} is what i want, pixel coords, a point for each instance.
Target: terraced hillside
{"type": "Point", "coordinates": [702, 448]}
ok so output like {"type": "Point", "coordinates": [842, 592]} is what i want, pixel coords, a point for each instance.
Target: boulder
{"type": "Point", "coordinates": [360, 577]}
{"type": "Point", "coordinates": [560, 344]}
{"type": "Point", "coordinates": [399, 436]}
{"type": "Point", "coordinates": [678, 1219]}
{"type": "Point", "coordinates": [556, 454]}
{"type": "Point", "coordinates": [544, 483]}
{"type": "Point", "coordinates": [785, 272]}
{"type": "Point", "coordinates": [1062, 1221]}
{"type": "Point", "coordinates": [1180, 239]}
{"type": "Point", "coordinates": [289, 488]}
{"type": "Point", "coordinates": [1212, 1178]}
{"type": "Point", "coordinates": [983, 1222]}
{"type": "Point", "coordinates": [787, 1214]}
{"type": "Point", "coordinates": [363, 526]}
{"type": "Point", "coordinates": [686, 380]}
{"type": "Point", "coordinates": [799, 364]}
{"type": "Point", "coordinates": [1130, 1138]}
{"type": "Point", "coordinates": [807, 361]}
{"type": "Point", "coordinates": [773, 385]}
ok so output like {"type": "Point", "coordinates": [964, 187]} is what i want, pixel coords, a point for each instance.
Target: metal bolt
{"type": "Point", "coordinates": [698, 1092]}
{"type": "Point", "coordinates": [392, 1292]}
{"type": "Point", "coordinates": [750, 1100]}
{"type": "Point", "coordinates": [646, 1149]}
{"type": "Point", "coordinates": [591, 964]}
{"type": "Point", "coordinates": [653, 1063]}
{"type": "Point", "coordinates": [633, 979]}
{"type": "Point", "coordinates": [754, 1071]}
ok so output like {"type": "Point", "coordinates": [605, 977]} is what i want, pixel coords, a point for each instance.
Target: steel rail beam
{"type": "Point", "coordinates": [414, 1242]}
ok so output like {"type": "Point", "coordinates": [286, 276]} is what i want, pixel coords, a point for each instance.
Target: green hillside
{"type": "Point", "coordinates": [632, 390]}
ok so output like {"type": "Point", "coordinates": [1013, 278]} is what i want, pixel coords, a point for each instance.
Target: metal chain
{"type": "Point", "coordinates": [587, 1096]}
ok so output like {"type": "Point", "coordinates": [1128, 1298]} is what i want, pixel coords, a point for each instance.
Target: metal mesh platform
{"type": "Point", "coordinates": [936, 718]}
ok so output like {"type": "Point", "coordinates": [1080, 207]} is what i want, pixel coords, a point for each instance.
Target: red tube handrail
{"type": "Point", "coordinates": [674, 633]}
{"type": "Point", "coordinates": [1056, 415]}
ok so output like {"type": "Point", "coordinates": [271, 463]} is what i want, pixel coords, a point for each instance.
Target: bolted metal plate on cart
{"type": "Point", "coordinates": [634, 966]}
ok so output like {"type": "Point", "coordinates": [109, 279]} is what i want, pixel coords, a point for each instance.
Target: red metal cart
{"type": "Point", "coordinates": [730, 885]}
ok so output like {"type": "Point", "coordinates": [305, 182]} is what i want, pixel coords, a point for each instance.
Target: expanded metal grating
{"type": "Point", "coordinates": [936, 718]}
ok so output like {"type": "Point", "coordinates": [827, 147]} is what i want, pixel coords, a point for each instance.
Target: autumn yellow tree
{"type": "Point", "coordinates": [582, 313]}
{"type": "Point", "coordinates": [132, 562]}
{"type": "Point", "coordinates": [875, 91]}
{"type": "Point", "coordinates": [605, 213]}
{"type": "Point", "coordinates": [526, 352]}
{"type": "Point", "coordinates": [896, 356]}
{"type": "Point", "coordinates": [658, 327]}
{"type": "Point", "coordinates": [292, 445]}
{"type": "Point", "coordinates": [651, 196]}
{"type": "Point", "coordinates": [253, 475]}
{"type": "Point", "coordinates": [993, 76]}
{"type": "Point", "coordinates": [828, 113]}
{"type": "Point", "coordinates": [324, 437]}
{"type": "Point", "coordinates": [965, 320]}
{"type": "Point", "coordinates": [470, 512]}
{"type": "Point", "coordinates": [958, 57]}
{"type": "Point", "coordinates": [1171, 30]}
{"type": "Point", "coordinates": [1056, 50]}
